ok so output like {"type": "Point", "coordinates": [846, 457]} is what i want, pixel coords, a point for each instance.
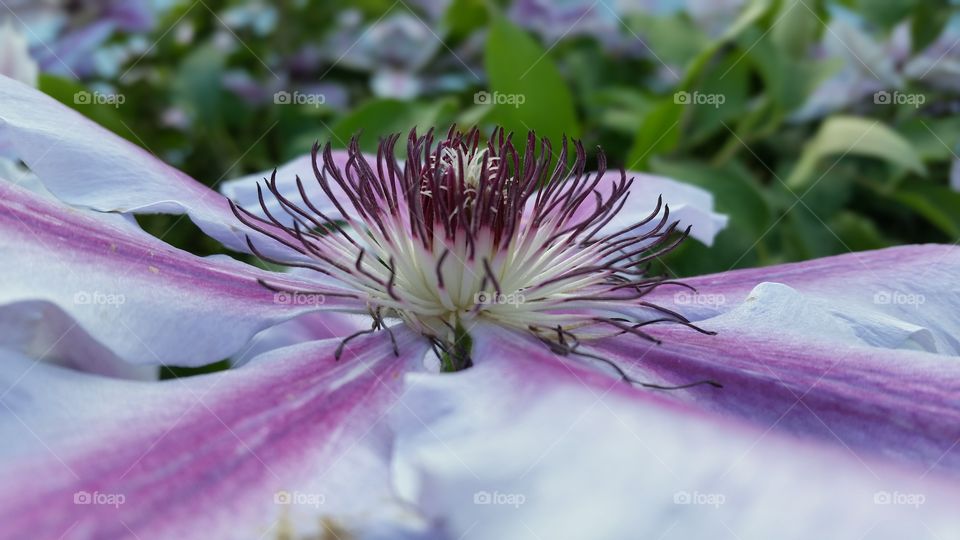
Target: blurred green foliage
{"type": "Point", "coordinates": [860, 176]}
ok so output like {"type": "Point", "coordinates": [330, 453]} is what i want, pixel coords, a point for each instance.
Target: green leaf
{"type": "Point", "coordinates": [720, 98]}
{"type": "Point", "coordinates": [850, 135]}
{"type": "Point", "coordinates": [938, 204]}
{"type": "Point", "coordinates": [886, 13]}
{"type": "Point", "coordinates": [674, 39]}
{"type": "Point", "coordinates": [526, 90]}
{"type": "Point", "coordinates": [795, 27]}
{"type": "Point", "coordinates": [856, 232]}
{"type": "Point", "coordinates": [929, 20]}
{"type": "Point", "coordinates": [197, 85]}
{"type": "Point", "coordinates": [751, 14]}
{"type": "Point", "coordinates": [465, 16]}
{"type": "Point", "coordinates": [659, 132]}
{"type": "Point", "coordinates": [936, 139]}
{"type": "Point", "coordinates": [737, 194]}
{"type": "Point", "coordinates": [788, 81]}
{"type": "Point", "coordinates": [621, 109]}
{"type": "Point", "coordinates": [381, 117]}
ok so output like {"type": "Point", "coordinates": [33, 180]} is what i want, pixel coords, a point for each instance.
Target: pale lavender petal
{"type": "Point", "coordinates": [791, 364]}
{"type": "Point", "coordinates": [294, 442]}
{"type": "Point", "coordinates": [521, 446]}
{"type": "Point", "coordinates": [85, 165]}
{"type": "Point", "coordinates": [308, 327]}
{"type": "Point", "coordinates": [913, 285]}
{"type": "Point", "coordinates": [690, 205]}
{"type": "Point", "coordinates": [243, 190]}
{"type": "Point", "coordinates": [144, 300]}
{"type": "Point", "coordinates": [42, 331]}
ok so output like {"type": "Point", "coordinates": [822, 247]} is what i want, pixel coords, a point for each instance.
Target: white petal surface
{"type": "Point", "coordinates": [910, 291]}
{"type": "Point", "coordinates": [86, 165]}
{"type": "Point", "coordinates": [243, 190]}
{"type": "Point", "coordinates": [690, 205]}
{"type": "Point", "coordinates": [294, 443]}
{"type": "Point", "coordinates": [142, 299]}
{"type": "Point", "coordinates": [521, 447]}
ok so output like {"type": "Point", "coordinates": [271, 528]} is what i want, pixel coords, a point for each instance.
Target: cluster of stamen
{"type": "Point", "coordinates": [462, 230]}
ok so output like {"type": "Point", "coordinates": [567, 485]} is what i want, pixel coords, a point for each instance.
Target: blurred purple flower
{"type": "Point", "coordinates": [66, 37]}
{"type": "Point", "coordinates": [607, 20]}
{"type": "Point", "coordinates": [868, 62]}
{"type": "Point", "coordinates": [400, 52]}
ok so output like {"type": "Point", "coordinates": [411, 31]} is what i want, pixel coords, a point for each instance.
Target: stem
{"type": "Point", "coordinates": [457, 357]}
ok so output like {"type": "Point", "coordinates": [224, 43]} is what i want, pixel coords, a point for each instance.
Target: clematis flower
{"type": "Point", "coordinates": [869, 63]}
{"type": "Point", "coordinates": [865, 64]}
{"type": "Point", "coordinates": [401, 53]}
{"type": "Point", "coordinates": [70, 38]}
{"type": "Point", "coordinates": [605, 20]}
{"type": "Point", "coordinates": [825, 389]}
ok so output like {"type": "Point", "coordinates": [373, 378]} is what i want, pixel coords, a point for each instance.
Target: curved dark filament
{"type": "Point", "coordinates": [567, 344]}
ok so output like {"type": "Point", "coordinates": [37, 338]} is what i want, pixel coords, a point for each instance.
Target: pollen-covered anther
{"type": "Point", "coordinates": [462, 230]}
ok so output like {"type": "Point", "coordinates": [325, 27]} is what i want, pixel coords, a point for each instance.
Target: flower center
{"type": "Point", "coordinates": [464, 230]}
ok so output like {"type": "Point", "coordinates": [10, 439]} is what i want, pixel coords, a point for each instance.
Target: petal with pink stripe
{"type": "Point", "coordinates": [294, 443]}
{"type": "Point", "coordinates": [144, 300]}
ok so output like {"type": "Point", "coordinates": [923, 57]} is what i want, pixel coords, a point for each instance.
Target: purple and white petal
{"type": "Point", "coordinates": [792, 365]}
{"type": "Point", "coordinates": [42, 331]}
{"type": "Point", "coordinates": [86, 165]}
{"type": "Point", "coordinates": [294, 443]}
{"type": "Point", "coordinates": [14, 173]}
{"type": "Point", "coordinates": [243, 191]}
{"type": "Point", "coordinates": [304, 328]}
{"type": "Point", "coordinates": [913, 288]}
{"type": "Point", "coordinates": [690, 205]}
{"type": "Point", "coordinates": [142, 299]}
{"type": "Point", "coordinates": [520, 446]}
